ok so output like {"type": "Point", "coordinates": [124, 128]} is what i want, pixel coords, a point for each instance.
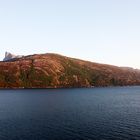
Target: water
{"type": "Point", "coordinates": [70, 114]}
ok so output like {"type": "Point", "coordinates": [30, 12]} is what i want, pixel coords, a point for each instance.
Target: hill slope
{"type": "Point", "coordinates": [56, 71]}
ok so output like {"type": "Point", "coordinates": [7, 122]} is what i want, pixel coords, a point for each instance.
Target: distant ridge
{"type": "Point", "coordinates": [57, 71]}
{"type": "Point", "coordinates": [9, 56]}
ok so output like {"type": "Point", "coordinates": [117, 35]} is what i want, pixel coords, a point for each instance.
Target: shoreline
{"type": "Point", "coordinates": [52, 88]}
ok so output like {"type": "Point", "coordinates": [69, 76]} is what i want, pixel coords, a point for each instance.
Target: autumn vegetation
{"type": "Point", "coordinates": [56, 71]}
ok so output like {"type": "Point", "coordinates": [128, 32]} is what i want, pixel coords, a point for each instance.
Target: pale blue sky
{"type": "Point", "coordinates": [105, 31]}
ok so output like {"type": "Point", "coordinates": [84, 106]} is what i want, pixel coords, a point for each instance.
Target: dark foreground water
{"type": "Point", "coordinates": [70, 114]}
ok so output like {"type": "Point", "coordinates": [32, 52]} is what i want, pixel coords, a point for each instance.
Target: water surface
{"type": "Point", "coordinates": [70, 114]}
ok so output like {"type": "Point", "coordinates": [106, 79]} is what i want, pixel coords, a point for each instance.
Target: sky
{"type": "Point", "coordinates": [104, 31]}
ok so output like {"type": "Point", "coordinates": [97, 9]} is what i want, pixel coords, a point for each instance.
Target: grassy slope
{"type": "Point", "coordinates": [52, 71]}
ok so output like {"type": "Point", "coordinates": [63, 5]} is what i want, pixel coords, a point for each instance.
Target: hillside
{"type": "Point", "coordinates": [56, 71]}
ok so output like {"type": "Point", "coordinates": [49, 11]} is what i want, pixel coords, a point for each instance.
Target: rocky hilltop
{"type": "Point", "coordinates": [9, 56]}
{"type": "Point", "coordinates": [56, 71]}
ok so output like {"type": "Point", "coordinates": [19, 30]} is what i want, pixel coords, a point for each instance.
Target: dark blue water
{"type": "Point", "coordinates": [70, 114]}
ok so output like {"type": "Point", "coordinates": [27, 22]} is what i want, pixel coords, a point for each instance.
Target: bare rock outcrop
{"type": "Point", "coordinates": [10, 56]}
